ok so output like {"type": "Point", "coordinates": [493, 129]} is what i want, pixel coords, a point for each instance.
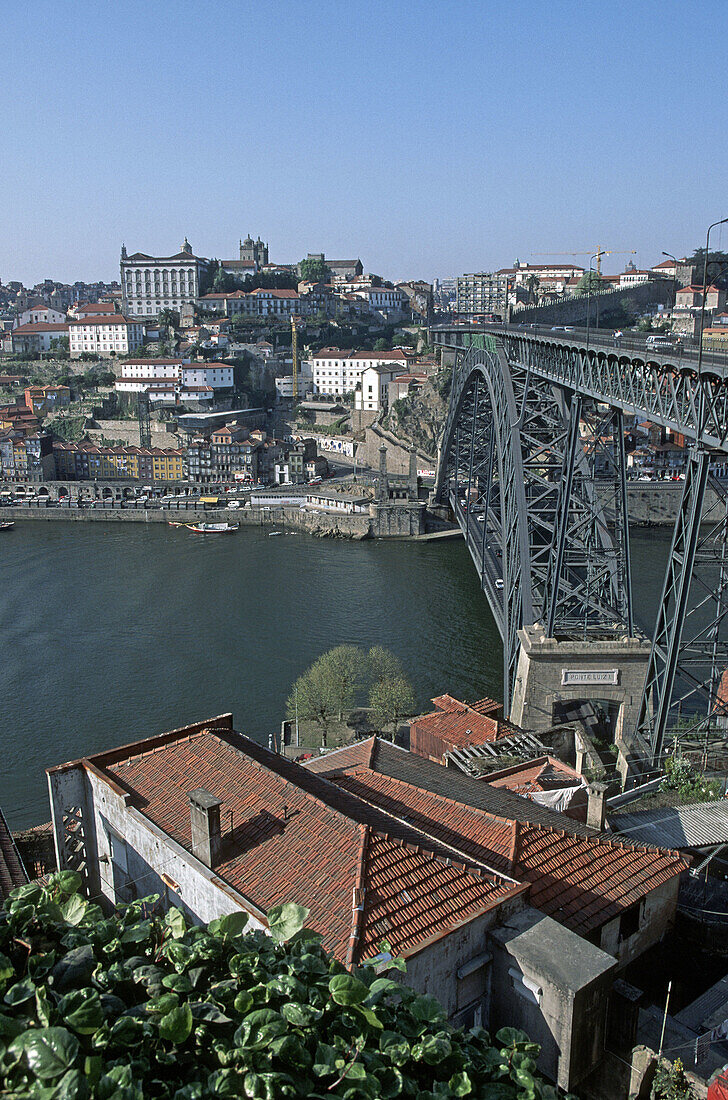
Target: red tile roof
{"type": "Point", "coordinates": [546, 773]}
{"type": "Point", "coordinates": [39, 326]}
{"type": "Point", "coordinates": [103, 319]}
{"type": "Point", "coordinates": [457, 725]}
{"type": "Point", "coordinates": [289, 834]}
{"type": "Point", "coordinates": [578, 877]}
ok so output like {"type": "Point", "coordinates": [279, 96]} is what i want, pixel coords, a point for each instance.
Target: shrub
{"type": "Point", "coordinates": [139, 1004]}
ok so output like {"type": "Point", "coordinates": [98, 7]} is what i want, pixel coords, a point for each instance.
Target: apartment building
{"type": "Point", "coordinates": [26, 458]}
{"type": "Point", "coordinates": [40, 336]}
{"type": "Point", "coordinates": [152, 283]}
{"type": "Point", "coordinates": [229, 454]}
{"type": "Point", "coordinates": [372, 389]}
{"type": "Point", "coordinates": [482, 293]}
{"type": "Point", "coordinates": [45, 399]}
{"type": "Point", "coordinates": [104, 335]}
{"type": "Point", "coordinates": [40, 313]}
{"type": "Point", "coordinates": [88, 462]}
{"type": "Point", "coordinates": [336, 372]}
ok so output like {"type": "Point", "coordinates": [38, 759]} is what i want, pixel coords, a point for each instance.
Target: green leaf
{"type": "Point", "coordinates": [210, 1013]}
{"type": "Point", "coordinates": [243, 1002]}
{"type": "Point", "coordinates": [390, 1083]}
{"type": "Point", "coordinates": [72, 1086]}
{"type": "Point", "coordinates": [74, 969]}
{"type": "Point", "coordinates": [284, 921]}
{"type": "Point", "coordinates": [428, 1009]}
{"type": "Point", "coordinates": [68, 882]}
{"type": "Point", "coordinates": [511, 1037]}
{"type": "Point", "coordinates": [347, 990]}
{"type": "Point", "coordinates": [301, 1015]}
{"type": "Point", "coordinates": [19, 993]}
{"type": "Point", "coordinates": [325, 1060]}
{"type": "Point", "coordinates": [176, 923]}
{"type": "Point", "coordinates": [81, 1009]}
{"type": "Point", "coordinates": [232, 924]}
{"type": "Point", "coordinates": [371, 1017]}
{"type": "Point", "coordinates": [177, 1024]}
{"type": "Point", "coordinates": [435, 1049]}
{"type": "Point", "coordinates": [7, 969]}
{"type": "Point", "coordinates": [50, 1051]}
{"type": "Point", "coordinates": [74, 910]}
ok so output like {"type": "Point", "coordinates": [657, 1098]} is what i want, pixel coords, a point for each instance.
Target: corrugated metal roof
{"type": "Point", "coordinates": [698, 825]}
{"type": "Point", "coordinates": [714, 1001]}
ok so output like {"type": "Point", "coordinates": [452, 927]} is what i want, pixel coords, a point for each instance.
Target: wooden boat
{"type": "Point", "coordinates": [212, 528]}
{"type": "Point", "coordinates": [175, 523]}
{"type": "Point", "coordinates": [7, 525]}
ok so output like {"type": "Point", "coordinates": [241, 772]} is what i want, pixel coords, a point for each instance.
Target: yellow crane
{"type": "Point", "coordinates": [598, 253]}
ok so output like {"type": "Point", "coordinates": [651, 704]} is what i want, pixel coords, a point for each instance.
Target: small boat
{"type": "Point", "coordinates": [272, 533]}
{"type": "Point", "coordinates": [175, 523]}
{"type": "Point", "coordinates": [7, 525]}
{"type": "Point", "coordinates": [212, 528]}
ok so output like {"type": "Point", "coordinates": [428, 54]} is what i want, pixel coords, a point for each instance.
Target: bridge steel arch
{"type": "Point", "coordinates": [521, 486]}
{"type": "Point", "coordinates": [511, 450]}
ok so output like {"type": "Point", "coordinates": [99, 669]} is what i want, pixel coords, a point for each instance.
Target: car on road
{"type": "Point", "coordinates": [233, 504]}
{"type": "Point", "coordinates": [499, 582]}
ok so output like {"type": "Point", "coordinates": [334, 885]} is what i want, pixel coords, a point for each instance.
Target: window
{"type": "Point", "coordinates": [630, 920]}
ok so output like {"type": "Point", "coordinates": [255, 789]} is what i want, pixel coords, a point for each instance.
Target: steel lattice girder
{"type": "Point", "coordinates": [508, 442]}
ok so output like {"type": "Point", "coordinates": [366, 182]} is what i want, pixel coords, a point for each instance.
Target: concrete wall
{"type": "Point", "coordinates": [657, 914]}
{"type": "Point", "coordinates": [155, 863]}
{"type": "Point", "coordinates": [434, 968]}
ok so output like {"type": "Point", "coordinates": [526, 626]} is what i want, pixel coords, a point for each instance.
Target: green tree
{"type": "Point", "coordinates": [382, 345]}
{"type": "Point", "coordinates": [590, 279]}
{"type": "Point", "coordinates": [60, 347]}
{"type": "Point", "coordinates": [345, 668]}
{"type": "Point", "coordinates": [142, 1004]}
{"type": "Point", "coordinates": [313, 698]}
{"type": "Point", "coordinates": [383, 664]}
{"type": "Point", "coordinates": [314, 271]}
{"type": "Point", "coordinates": [169, 318]}
{"type": "Point", "coordinates": [390, 700]}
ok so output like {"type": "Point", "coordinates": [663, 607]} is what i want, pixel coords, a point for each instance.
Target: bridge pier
{"type": "Point", "coordinates": [597, 683]}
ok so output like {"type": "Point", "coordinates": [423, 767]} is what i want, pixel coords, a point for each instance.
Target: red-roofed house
{"type": "Point", "coordinates": [104, 335]}
{"type": "Point", "coordinates": [387, 862]}
{"type": "Point", "coordinates": [37, 337]}
{"type": "Point", "coordinates": [456, 725]}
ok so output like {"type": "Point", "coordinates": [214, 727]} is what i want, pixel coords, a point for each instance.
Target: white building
{"type": "Point", "coordinates": [383, 299]}
{"type": "Point", "coordinates": [337, 372]}
{"type": "Point", "coordinates": [284, 384]}
{"type": "Point", "coordinates": [372, 390]}
{"type": "Point", "coordinates": [104, 335]}
{"type": "Point", "coordinates": [218, 376]}
{"type": "Point", "coordinates": [152, 283]}
{"type": "Point", "coordinates": [40, 314]}
{"type": "Point", "coordinates": [37, 337]}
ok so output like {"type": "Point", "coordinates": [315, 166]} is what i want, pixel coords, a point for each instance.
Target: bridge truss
{"type": "Point", "coordinates": [544, 510]}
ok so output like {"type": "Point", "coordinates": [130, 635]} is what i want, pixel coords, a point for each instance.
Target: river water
{"type": "Point", "coordinates": [114, 633]}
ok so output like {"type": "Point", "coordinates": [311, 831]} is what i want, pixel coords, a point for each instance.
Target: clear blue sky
{"type": "Point", "coordinates": [429, 137]}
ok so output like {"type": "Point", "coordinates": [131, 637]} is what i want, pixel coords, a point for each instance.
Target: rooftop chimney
{"type": "Point", "coordinates": [597, 805]}
{"type": "Point", "coordinates": [205, 820]}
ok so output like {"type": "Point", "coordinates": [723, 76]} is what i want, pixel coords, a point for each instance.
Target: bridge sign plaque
{"type": "Point", "coordinates": [575, 677]}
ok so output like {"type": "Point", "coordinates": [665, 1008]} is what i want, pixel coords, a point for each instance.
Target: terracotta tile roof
{"type": "Point", "coordinates": [546, 773]}
{"type": "Point", "coordinates": [103, 319]}
{"type": "Point", "coordinates": [458, 725]}
{"type": "Point", "coordinates": [578, 877]}
{"type": "Point", "coordinates": [289, 834]}
{"type": "Point", "coordinates": [39, 326]}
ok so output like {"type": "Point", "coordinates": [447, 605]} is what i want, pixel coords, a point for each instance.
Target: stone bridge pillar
{"type": "Point", "coordinates": [596, 684]}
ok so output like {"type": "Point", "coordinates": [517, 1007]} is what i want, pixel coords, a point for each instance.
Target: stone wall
{"type": "Point", "coordinates": [573, 311]}
{"type": "Point", "coordinates": [653, 503]}
{"type": "Point", "coordinates": [398, 452]}
{"type": "Point", "coordinates": [128, 431]}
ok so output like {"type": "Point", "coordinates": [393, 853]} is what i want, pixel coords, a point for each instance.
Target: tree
{"type": "Point", "coordinates": [390, 700]}
{"type": "Point", "coordinates": [169, 318]}
{"type": "Point", "coordinates": [141, 1003]}
{"type": "Point", "coordinates": [313, 270]}
{"type": "Point", "coordinates": [590, 279]}
{"type": "Point", "coordinates": [312, 698]}
{"type": "Point", "coordinates": [344, 666]}
{"type": "Point", "coordinates": [381, 345]}
{"type": "Point", "coordinates": [383, 664]}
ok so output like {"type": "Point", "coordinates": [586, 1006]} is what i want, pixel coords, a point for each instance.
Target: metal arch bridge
{"type": "Point", "coordinates": [544, 512]}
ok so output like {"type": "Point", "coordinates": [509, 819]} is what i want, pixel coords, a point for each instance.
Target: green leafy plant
{"type": "Point", "coordinates": [690, 784]}
{"type": "Point", "coordinates": [140, 1004]}
{"type": "Point", "coordinates": [671, 1083]}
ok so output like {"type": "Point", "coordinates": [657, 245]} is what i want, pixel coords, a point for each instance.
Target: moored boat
{"type": "Point", "coordinates": [7, 525]}
{"type": "Point", "coordinates": [212, 528]}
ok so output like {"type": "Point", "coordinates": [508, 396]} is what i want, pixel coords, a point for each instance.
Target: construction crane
{"type": "Point", "coordinates": [294, 354]}
{"type": "Point", "coordinates": [599, 253]}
